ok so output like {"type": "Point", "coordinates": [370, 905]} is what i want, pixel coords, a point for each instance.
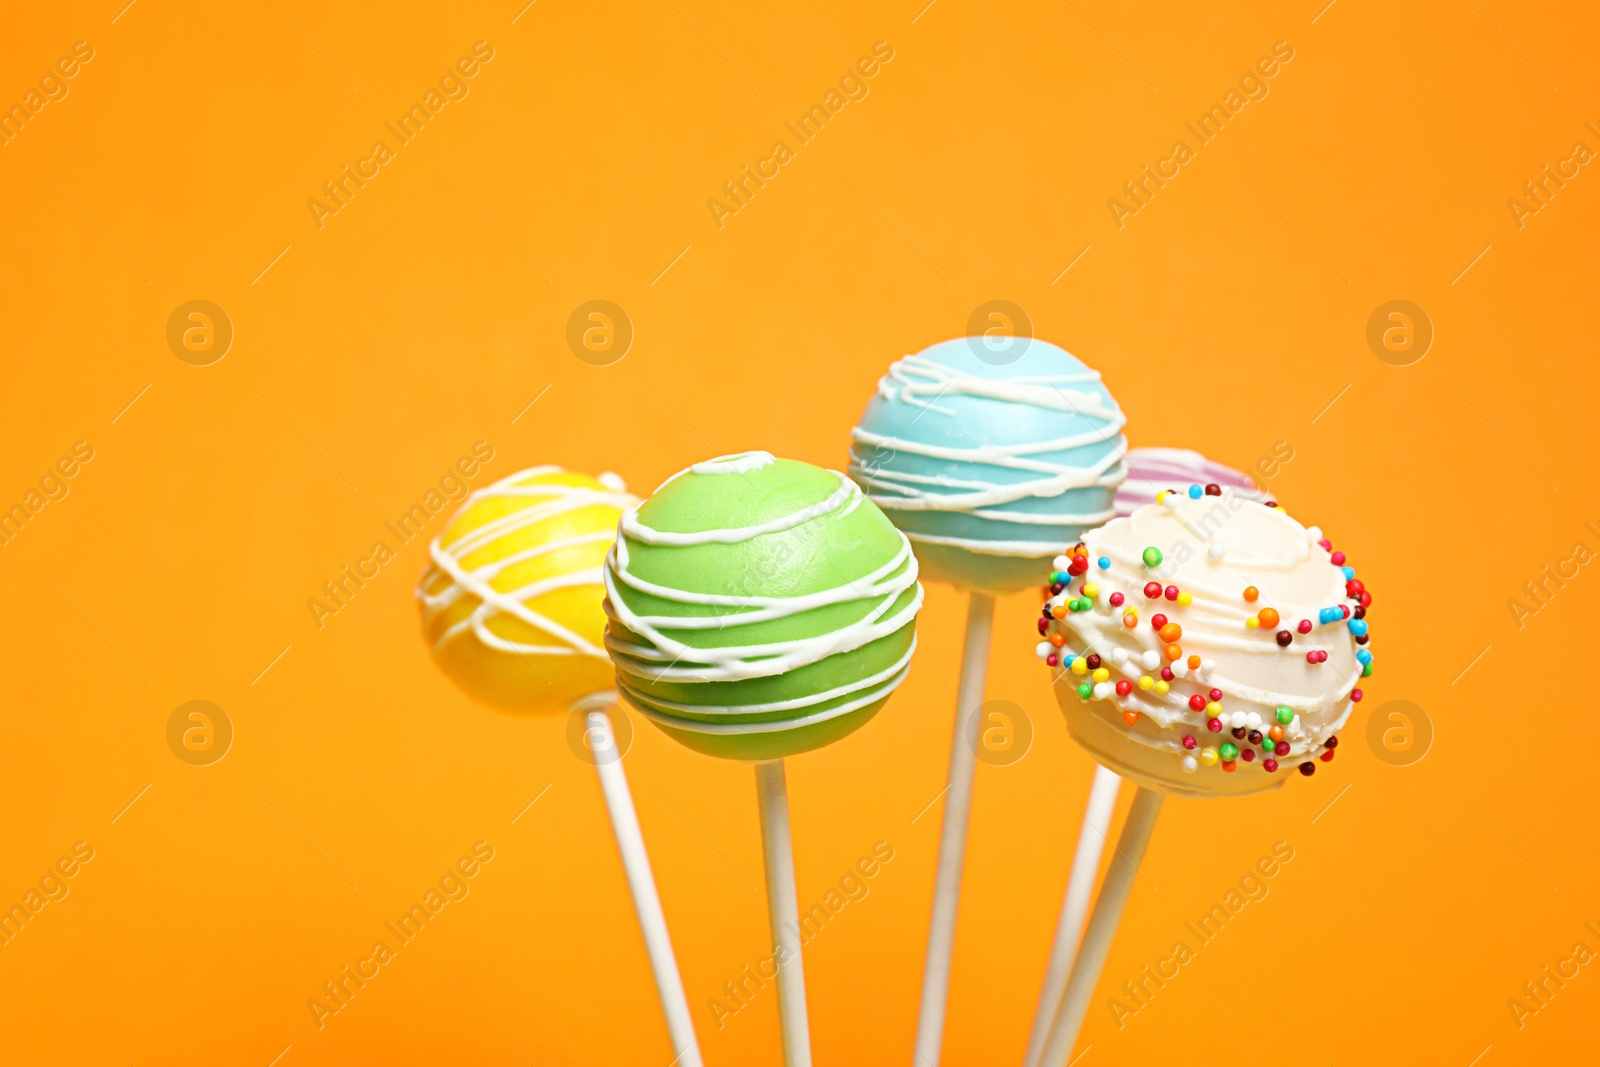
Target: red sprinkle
{"type": "Point", "coordinates": [1172, 592]}
{"type": "Point", "coordinates": [1152, 590]}
{"type": "Point", "coordinates": [1117, 599]}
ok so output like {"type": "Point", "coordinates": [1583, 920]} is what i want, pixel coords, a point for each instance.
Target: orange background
{"type": "Point", "coordinates": [1226, 315]}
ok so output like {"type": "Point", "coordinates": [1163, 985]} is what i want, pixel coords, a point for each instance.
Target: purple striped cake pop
{"type": "Point", "coordinates": [1150, 470]}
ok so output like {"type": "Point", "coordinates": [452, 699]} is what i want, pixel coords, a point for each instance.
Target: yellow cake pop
{"type": "Point", "coordinates": [511, 601]}
{"type": "Point", "coordinates": [511, 607]}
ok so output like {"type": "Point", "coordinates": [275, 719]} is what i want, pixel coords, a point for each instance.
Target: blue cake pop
{"type": "Point", "coordinates": [991, 469]}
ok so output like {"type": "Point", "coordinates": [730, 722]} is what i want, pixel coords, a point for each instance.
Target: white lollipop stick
{"type": "Point", "coordinates": [953, 837]}
{"type": "Point", "coordinates": [783, 912]}
{"type": "Point", "coordinates": [1102, 926]}
{"type": "Point", "coordinates": [1075, 906]}
{"type": "Point", "coordinates": [646, 902]}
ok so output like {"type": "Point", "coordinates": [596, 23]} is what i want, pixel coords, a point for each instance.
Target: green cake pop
{"type": "Point", "coordinates": [759, 607]}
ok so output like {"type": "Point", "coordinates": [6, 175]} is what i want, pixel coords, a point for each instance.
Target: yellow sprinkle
{"type": "Point", "coordinates": [1145, 682]}
{"type": "Point", "coordinates": [1253, 623]}
{"type": "Point", "coordinates": [1079, 665]}
{"type": "Point", "coordinates": [1161, 497]}
{"type": "Point", "coordinates": [1101, 675]}
{"type": "Point", "coordinates": [1208, 756]}
{"type": "Point", "coordinates": [1184, 600]}
{"type": "Point", "coordinates": [1213, 709]}
{"type": "Point", "coordinates": [1091, 590]}
{"type": "Point", "coordinates": [1162, 688]}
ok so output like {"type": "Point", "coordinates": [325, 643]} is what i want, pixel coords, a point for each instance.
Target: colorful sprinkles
{"type": "Point", "coordinates": [1264, 742]}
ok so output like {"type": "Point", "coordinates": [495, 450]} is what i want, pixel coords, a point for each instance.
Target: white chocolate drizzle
{"type": "Point", "coordinates": [661, 657]}
{"type": "Point", "coordinates": [920, 382]}
{"type": "Point", "coordinates": [545, 501]}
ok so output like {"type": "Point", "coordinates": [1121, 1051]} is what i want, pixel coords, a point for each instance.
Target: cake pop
{"type": "Point", "coordinates": [1150, 471]}
{"type": "Point", "coordinates": [1229, 622]}
{"type": "Point", "coordinates": [991, 470]}
{"type": "Point", "coordinates": [511, 611]}
{"type": "Point", "coordinates": [1212, 646]}
{"type": "Point", "coordinates": [511, 601]}
{"type": "Point", "coordinates": [992, 467]}
{"type": "Point", "coordinates": [760, 608]}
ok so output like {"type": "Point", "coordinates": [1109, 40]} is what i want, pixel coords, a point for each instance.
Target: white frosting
{"type": "Point", "coordinates": [738, 463]}
{"type": "Point", "coordinates": [545, 501]}
{"type": "Point", "coordinates": [1264, 548]}
{"type": "Point", "coordinates": [663, 658]}
{"type": "Point", "coordinates": [920, 382]}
